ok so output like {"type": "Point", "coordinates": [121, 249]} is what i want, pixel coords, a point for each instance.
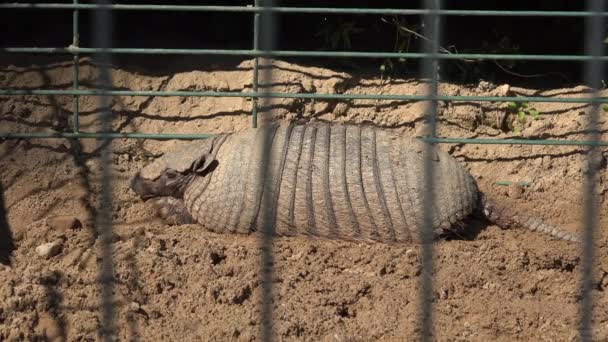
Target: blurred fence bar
{"type": "Point", "coordinates": [267, 30]}
{"type": "Point", "coordinates": [594, 71]}
{"type": "Point", "coordinates": [430, 69]}
{"type": "Point", "coordinates": [103, 223]}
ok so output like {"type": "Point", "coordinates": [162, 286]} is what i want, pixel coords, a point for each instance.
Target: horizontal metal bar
{"type": "Point", "coordinates": [507, 183]}
{"type": "Point", "coordinates": [23, 92]}
{"type": "Point", "coordinates": [311, 10]}
{"type": "Point", "coordinates": [166, 136]}
{"type": "Point", "coordinates": [85, 135]}
{"type": "Point", "coordinates": [513, 141]}
{"type": "Point", "coordinates": [291, 53]}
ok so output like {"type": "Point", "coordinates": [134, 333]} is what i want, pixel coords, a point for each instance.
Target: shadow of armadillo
{"type": "Point", "coordinates": [7, 244]}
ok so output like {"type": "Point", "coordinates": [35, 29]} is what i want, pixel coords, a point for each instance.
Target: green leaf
{"type": "Point", "coordinates": [522, 116]}
{"type": "Point", "coordinates": [534, 112]}
{"type": "Point", "coordinates": [512, 105]}
{"type": "Point", "coordinates": [402, 46]}
{"type": "Point", "coordinates": [605, 108]}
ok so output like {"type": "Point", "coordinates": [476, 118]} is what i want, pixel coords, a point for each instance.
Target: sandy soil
{"type": "Point", "coordinates": [184, 283]}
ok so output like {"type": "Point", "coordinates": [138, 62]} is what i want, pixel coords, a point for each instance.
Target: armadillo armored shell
{"type": "Point", "coordinates": [338, 181]}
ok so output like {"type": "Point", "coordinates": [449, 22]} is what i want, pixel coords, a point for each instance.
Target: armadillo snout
{"type": "Point", "coordinates": [136, 184]}
{"type": "Point", "coordinates": [146, 189]}
{"type": "Point", "coordinates": [159, 187]}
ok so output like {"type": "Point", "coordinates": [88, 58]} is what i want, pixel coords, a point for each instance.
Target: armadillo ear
{"type": "Point", "coordinates": [203, 163]}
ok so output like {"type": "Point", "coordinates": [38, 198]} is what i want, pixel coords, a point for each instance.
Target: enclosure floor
{"type": "Point", "coordinates": [185, 283]}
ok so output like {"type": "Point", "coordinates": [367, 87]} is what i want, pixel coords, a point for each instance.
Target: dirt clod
{"type": "Point", "coordinates": [63, 223]}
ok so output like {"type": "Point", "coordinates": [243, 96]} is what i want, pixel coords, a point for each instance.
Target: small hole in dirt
{"type": "Point", "coordinates": [216, 257]}
{"type": "Point", "coordinates": [564, 266]}
{"type": "Point", "coordinates": [242, 296]}
{"type": "Point", "coordinates": [344, 312]}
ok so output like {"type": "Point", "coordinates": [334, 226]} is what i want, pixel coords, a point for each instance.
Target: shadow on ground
{"type": "Point", "coordinates": [7, 244]}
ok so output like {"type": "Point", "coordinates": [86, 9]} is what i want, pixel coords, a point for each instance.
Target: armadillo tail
{"type": "Point", "coordinates": [505, 218]}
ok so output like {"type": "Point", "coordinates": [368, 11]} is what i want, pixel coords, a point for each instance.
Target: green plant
{"type": "Point", "coordinates": [337, 35]}
{"type": "Point", "coordinates": [404, 34]}
{"type": "Point", "coordinates": [522, 110]}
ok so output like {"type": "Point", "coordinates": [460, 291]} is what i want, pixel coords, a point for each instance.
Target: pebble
{"type": "Point", "coordinates": [49, 249]}
{"type": "Point", "coordinates": [64, 222]}
{"type": "Point", "coordinates": [50, 328]}
{"type": "Point", "coordinates": [502, 90]}
{"type": "Point", "coordinates": [515, 191]}
{"type": "Point", "coordinates": [134, 306]}
{"type": "Point", "coordinates": [411, 253]}
{"type": "Point", "coordinates": [341, 109]}
{"type": "Point", "coordinates": [86, 260]}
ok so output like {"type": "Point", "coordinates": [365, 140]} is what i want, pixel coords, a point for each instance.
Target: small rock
{"type": "Point", "coordinates": [64, 222]}
{"type": "Point", "coordinates": [308, 85]}
{"type": "Point", "coordinates": [537, 128]}
{"type": "Point", "coordinates": [86, 260]}
{"type": "Point", "coordinates": [411, 253]}
{"type": "Point", "coordinates": [49, 249]}
{"type": "Point", "coordinates": [502, 90]}
{"type": "Point", "coordinates": [223, 86]}
{"type": "Point", "coordinates": [547, 162]}
{"type": "Point", "coordinates": [515, 190]}
{"type": "Point", "coordinates": [538, 186]}
{"type": "Point", "coordinates": [50, 328]}
{"type": "Point", "coordinates": [134, 306]}
{"type": "Point", "coordinates": [484, 85]}
{"type": "Point", "coordinates": [139, 231]}
{"type": "Point", "coordinates": [340, 109]}
{"type": "Point", "coordinates": [312, 249]}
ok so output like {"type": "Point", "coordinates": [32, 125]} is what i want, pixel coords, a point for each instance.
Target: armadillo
{"type": "Point", "coordinates": [337, 181]}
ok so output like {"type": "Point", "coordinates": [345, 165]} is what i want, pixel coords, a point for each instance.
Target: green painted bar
{"type": "Point", "coordinates": [76, 59]}
{"type": "Point", "coordinates": [311, 10]}
{"type": "Point", "coordinates": [288, 53]}
{"type": "Point", "coordinates": [22, 92]}
{"type": "Point", "coordinates": [169, 136]}
{"type": "Point", "coordinates": [256, 67]}
{"type": "Point", "coordinates": [507, 183]}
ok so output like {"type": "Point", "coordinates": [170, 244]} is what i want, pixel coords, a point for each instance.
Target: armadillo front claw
{"type": "Point", "coordinates": [172, 210]}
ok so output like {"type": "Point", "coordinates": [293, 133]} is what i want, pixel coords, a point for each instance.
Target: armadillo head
{"type": "Point", "coordinates": [170, 174]}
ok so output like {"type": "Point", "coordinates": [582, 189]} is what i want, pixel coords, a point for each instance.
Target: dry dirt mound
{"type": "Point", "coordinates": [182, 282]}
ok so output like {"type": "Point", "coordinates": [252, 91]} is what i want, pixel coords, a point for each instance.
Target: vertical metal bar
{"type": "Point", "coordinates": [429, 72]}
{"type": "Point", "coordinates": [76, 58]}
{"type": "Point", "coordinates": [267, 43]}
{"type": "Point", "coordinates": [103, 33]}
{"type": "Point", "coordinates": [594, 69]}
{"type": "Point", "coordinates": [256, 37]}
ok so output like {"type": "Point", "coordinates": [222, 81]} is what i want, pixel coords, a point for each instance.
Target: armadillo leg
{"type": "Point", "coordinates": [172, 210]}
{"type": "Point", "coordinates": [505, 218]}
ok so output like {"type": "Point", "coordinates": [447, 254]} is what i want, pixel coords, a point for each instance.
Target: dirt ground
{"type": "Point", "coordinates": [185, 283]}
